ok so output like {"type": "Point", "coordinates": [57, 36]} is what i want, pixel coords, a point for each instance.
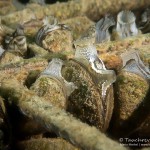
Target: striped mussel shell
{"type": "Point", "coordinates": [133, 63]}
{"type": "Point", "coordinates": [92, 101]}
{"type": "Point", "coordinates": [16, 43]}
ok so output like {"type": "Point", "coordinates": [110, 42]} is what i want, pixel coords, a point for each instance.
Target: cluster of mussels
{"type": "Point", "coordinates": [82, 85]}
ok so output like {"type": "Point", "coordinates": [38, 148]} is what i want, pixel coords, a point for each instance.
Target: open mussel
{"type": "Point", "coordinates": [52, 86]}
{"type": "Point", "coordinates": [92, 101]}
{"type": "Point", "coordinates": [132, 88]}
{"type": "Point", "coordinates": [53, 36]}
{"type": "Point", "coordinates": [126, 25]}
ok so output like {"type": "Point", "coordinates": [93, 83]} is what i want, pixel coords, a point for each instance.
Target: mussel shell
{"type": "Point", "coordinates": [28, 128]}
{"type": "Point", "coordinates": [9, 57]}
{"type": "Point", "coordinates": [58, 41]}
{"type": "Point", "coordinates": [86, 102]}
{"type": "Point", "coordinates": [144, 129]}
{"type": "Point", "coordinates": [126, 25]}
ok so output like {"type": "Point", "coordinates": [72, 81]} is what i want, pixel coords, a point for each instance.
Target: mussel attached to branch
{"type": "Point", "coordinates": [132, 100]}
{"type": "Point", "coordinates": [92, 102]}
{"type": "Point", "coordinates": [126, 25]}
{"type": "Point", "coordinates": [53, 36]}
{"type": "Point", "coordinates": [52, 86]}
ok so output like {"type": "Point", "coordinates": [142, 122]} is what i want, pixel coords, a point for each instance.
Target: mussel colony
{"type": "Point", "coordinates": [69, 82]}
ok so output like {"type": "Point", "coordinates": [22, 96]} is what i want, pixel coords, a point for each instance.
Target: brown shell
{"type": "Point", "coordinates": [86, 102]}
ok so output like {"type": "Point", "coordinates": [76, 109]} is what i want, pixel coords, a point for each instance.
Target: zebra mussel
{"type": "Point", "coordinates": [50, 32]}
{"type": "Point", "coordinates": [145, 21]}
{"type": "Point", "coordinates": [17, 41]}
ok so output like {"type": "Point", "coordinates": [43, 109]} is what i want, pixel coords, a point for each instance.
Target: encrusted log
{"type": "Point", "coordinates": [52, 118]}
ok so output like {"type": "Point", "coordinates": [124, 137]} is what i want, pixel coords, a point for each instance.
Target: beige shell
{"type": "Point", "coordinates": [132, 87]}
{"type": "Point", "coordinates": [86, 102]}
